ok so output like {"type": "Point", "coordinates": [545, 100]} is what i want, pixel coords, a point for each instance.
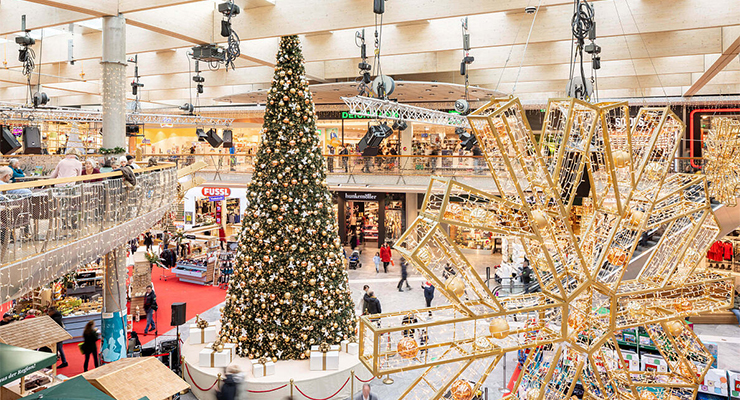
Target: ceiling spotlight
{"type": "Point", "coordinates": [530, 9]}
{"type": "Point", "coordinates": [399, 125]}
{"type": "Point", "coordinates": [375, 134]}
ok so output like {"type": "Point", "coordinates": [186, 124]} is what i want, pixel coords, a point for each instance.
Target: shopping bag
{"type": "Point", "coordinates": [79, 345]}
{"type": "Point", "coordinates": [392, 263]}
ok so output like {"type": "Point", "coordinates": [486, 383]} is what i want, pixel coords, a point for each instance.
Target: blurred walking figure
{"type": "Point", "coordinates": [428, 294]}
{"type": "Point", "coordinates": [404, 275]}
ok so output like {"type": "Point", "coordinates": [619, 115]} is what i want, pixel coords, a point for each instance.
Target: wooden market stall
{"type": "Point", "coordinates": [16, 364]}
{"type": "Point", "coordinates": [32, 334]}
{"type": "Point", "coordinates": [134, 378]}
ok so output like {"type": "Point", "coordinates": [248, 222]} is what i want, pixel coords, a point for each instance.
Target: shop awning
{"type": "Point", "coordinates": [152, 379]}
{"type": "Point", "coordinates": [16, 362]}
{"type": "Point", "coordinates": [77, 388]}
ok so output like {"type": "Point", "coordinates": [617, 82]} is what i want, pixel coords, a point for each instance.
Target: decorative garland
{"type": "Point", "coordinates": [115, 150]}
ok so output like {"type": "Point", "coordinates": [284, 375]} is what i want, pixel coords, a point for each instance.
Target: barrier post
{"type": "Point", "coordinates": [352, 385]}
{"type": "Point", "coordinates": [291, 388]}
{"type": "Point", "coordinates": [218, 381]}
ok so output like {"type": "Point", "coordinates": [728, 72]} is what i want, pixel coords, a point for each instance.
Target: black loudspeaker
{"type": "Point", "coordinates": [228, 137]}
{"type": "Point", "coordinates": [31, 140]}
{"type": "Point", "coordinates": [8, 143]}
{"type": "Point", "coordinates": [213, 139]}
{"type": "Point", "coordinates": [201, 135]}
{"type": "Point", "coordinates": [178, 314]}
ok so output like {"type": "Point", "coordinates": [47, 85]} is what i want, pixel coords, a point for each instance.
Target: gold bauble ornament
{"type": "Point", "coordinates": [274, 207]}
{"type": "Point", "coordinates": [635, 217]}
{"type": "Point", "coordinates": [499, 328]}
{"type": "Point", "coordinates": [461, 390]}
{"type": "Point", "coordinates": [675, 327]}
{"type": "Point", "coordinates": [407, 348]}
{"type": "Point", "coordinates": [647, 395]}
{"type": "Point", "coordinates": [454, 284]}
{"type": "Point", "coordinates": [621, 158]}
{"type": "Point", "coordinates": [539, 219]}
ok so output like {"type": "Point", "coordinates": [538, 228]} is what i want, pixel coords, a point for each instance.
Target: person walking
{"type": "Point", "coordinates": [89, 346]}
{"type": "Point", "coordinates": [57, 317]}
{"type": "Point", "coordinates": [222, 236]}
{"type": "Point", "coordinates": [150, 306]}
{"type": "Point", "coordinates": [377, 261]}
{"type": "Point", "coordinates": [526, 276]}
{"type": "Point", "coordinates": [385, 256]}
{"type": "Point", "coordinates": [148, 240]}
{"type": "Point", "coordinates": [330, 158]}
{"type": "Point", "coordinates": [372, 306]}
{"type": "Point", "coordinates": [345, 160]}
{"type": "Point", "coordinates": [366, 395]}
{"type": "Point", "coordinates": [477, 161]}
{"type": "Point", "coordinates": [404, 275]}
{"type": "Point", "coordinates": [361, 303]}
{"type": "Point", "coordinates": [428, 294]}
{"type": "Point", "coordinates": [353, 241]}
{"type": "Point", "coordinates": [231, 388]}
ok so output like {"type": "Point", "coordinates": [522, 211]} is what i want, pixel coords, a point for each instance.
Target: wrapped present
{"type": "Point", "coordinates": [200, 332]}
{"type": "Point", "coordinates": [324, 357]}
{"type": "Point", "coordinates": [214, 356]}
{"type": "Point", "coordinates": [231, 347]}
{"type": "Point", "coordinates": [343, 344]}
{"type": "Point", "coordinates": [353, 348]}
{"type": "Point", "coordinates": [263, 367]}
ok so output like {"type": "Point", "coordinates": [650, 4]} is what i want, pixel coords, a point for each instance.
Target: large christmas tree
{"type": "Point", "coordinates": [289, 289]}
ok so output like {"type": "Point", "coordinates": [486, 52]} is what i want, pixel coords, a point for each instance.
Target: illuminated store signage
{"type": "Point", "coordinates": [216, 191]}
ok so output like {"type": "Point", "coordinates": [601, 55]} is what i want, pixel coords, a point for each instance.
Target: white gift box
{"type": "Point", "coordinates": [353, 348]}
{"type": "Point", "coordinates": [231, 347]}
{"type": "Point", "coordinates": [319, 361]}
{"type": "Point", "coordinates": [214, 359]}
{"type": "Point", "coordinates": [343, 344]}
{"type": "Point", "coordinates": [200, 336]}
{"type": "Point", "coordinates": [260, 370]}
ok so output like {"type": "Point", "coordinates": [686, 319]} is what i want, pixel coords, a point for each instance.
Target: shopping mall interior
{"type": "Point", "coordinates": [370, 199]}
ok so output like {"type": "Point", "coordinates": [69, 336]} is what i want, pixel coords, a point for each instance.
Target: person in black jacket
{"type": "Point", "coordinates": [148, 240]}
{"type": "Point", "coordinates": [231, 388]}
{"type": "Point", "coordinates": [57, 317]}
{"type": "Point", "coordinates": [89, 346]}
{"type": "Point", "coordinates": [404, 275]}
{"type": "Point", "coordinates": [428, 294]}
{"type": "Point", "coordinates": [372, 305]}
{"type": "Point", "coordinates": [150, 306]}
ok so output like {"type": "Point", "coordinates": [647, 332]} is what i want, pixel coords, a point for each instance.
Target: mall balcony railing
{"type": "Point", "coordinates": [49, 226]}
{"type": "Point", "coordinates": [400, 165]}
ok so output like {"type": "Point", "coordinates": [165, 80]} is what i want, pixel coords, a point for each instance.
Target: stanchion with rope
{"type": "Point", "coordinates": [218, 379]}
{"type": "Point", "coordinates": [388, 380]}
{"type": "Point", "coordinates": [292, 384]}
{"type": "Point", "coordinates": [269, 390]}
{"type": "Point", "coordinates": [325, 398]}
{"type": "Point", "coordinates": [352, 385]}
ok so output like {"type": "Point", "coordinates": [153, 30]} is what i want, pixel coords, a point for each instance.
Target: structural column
{"type": "Point", "coordinates": [114, 82]}
{"type": "Point", "coordinates": [114, 342]}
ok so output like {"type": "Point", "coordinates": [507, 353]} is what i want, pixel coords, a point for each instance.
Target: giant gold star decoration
{"type": "Point", "coordinates": [722, 160]}
{"type": "Point", "coordinates": [589, 289]}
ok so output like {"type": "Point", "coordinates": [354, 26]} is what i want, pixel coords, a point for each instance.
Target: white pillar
{"type": "Point", "coordinates": [114, 322]}
{"type": "Point", "coordinates": [406, 139]}
{"type": "Point", "coordinates": [114, 82]}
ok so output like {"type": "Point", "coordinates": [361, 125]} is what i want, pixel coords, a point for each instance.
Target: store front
{"type": "Point", "coordinates": [374, 218]}
{"type": "Point", "coordinates": [208, 205]}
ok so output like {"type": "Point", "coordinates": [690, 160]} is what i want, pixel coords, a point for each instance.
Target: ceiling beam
{"type": "Point", "coordinates": [128, 6]}
{"type": "Point", "coordinates": [727, 57]}
{"type": "Point", "coordinates": [95, 8]}
{"type": "Point", "coordinates": [191, 22]}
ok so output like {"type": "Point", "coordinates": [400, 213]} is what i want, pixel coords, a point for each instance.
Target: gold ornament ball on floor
{"type": "Point", "coordinates": [499, 328]}
{"type": "Point", "coordinates": [675, 327]}
{"type": "Point", "coordinates": [407, 348]}
{"type": "Point", "coordinates": [461, 390]}
{"type": "Point", "coordinates": [455, 284]}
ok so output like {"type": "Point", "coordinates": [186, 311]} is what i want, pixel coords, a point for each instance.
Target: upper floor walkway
{"type": "Point", "coordinates": [50, 226]}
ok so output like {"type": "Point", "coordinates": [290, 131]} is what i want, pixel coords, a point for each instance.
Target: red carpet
{"type": "Point", "coordinates": [198, 298]}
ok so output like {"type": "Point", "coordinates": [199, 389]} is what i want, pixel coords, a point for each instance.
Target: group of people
{"type": "Point", "coordinates": [383, 256]}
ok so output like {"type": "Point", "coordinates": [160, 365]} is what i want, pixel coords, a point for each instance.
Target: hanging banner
{"type": "Point", "coordinates": [114, 337]}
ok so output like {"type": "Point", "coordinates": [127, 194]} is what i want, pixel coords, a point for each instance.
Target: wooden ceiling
{"type": "Point", "coordinates": [650, 48]}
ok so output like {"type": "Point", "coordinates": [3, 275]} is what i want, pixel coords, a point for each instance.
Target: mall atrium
{"type": "Point", "coordinates": [370, 199]}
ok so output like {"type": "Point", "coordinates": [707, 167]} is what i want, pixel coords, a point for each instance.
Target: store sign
{"type": "Point", "coordinates": [216, 198]}
{"type": "Point", "coordinates": [216, 191]}
{"type": "Point", "coordinates": [361, 196]}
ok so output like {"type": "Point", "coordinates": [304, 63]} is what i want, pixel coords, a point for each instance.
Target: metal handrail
{"type": "Point", "coordinates": [62, 223]}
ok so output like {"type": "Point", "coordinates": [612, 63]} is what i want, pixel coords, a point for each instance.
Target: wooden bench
{"type": "Point", "coordinates": [718, 318]}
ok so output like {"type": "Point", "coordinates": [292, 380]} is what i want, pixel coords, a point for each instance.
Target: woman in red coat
{"type": "Point", "coordinates": [385, 256]}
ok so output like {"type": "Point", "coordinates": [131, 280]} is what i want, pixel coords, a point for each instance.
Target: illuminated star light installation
{"type": "Point", "coordinates": [722, 160]}
{"type": "Point", "coordinates": [586, 298]}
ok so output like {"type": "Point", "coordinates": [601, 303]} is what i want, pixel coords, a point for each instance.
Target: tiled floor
{"type": "Point", "coordinates": [385, 287]}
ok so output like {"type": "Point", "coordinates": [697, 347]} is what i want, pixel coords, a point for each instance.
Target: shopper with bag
{"type": "Point", "coordinates": [385, 256]}
{"type": "Point", "coordinates": [89, 347]}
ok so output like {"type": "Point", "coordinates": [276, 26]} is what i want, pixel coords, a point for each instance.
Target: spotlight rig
{"type": "Point", "coordinates": [198, 79]}
{"type": "Point", "coordinates": [214, 54]}
{"type": "Point", "coordinates": [375, 134]}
